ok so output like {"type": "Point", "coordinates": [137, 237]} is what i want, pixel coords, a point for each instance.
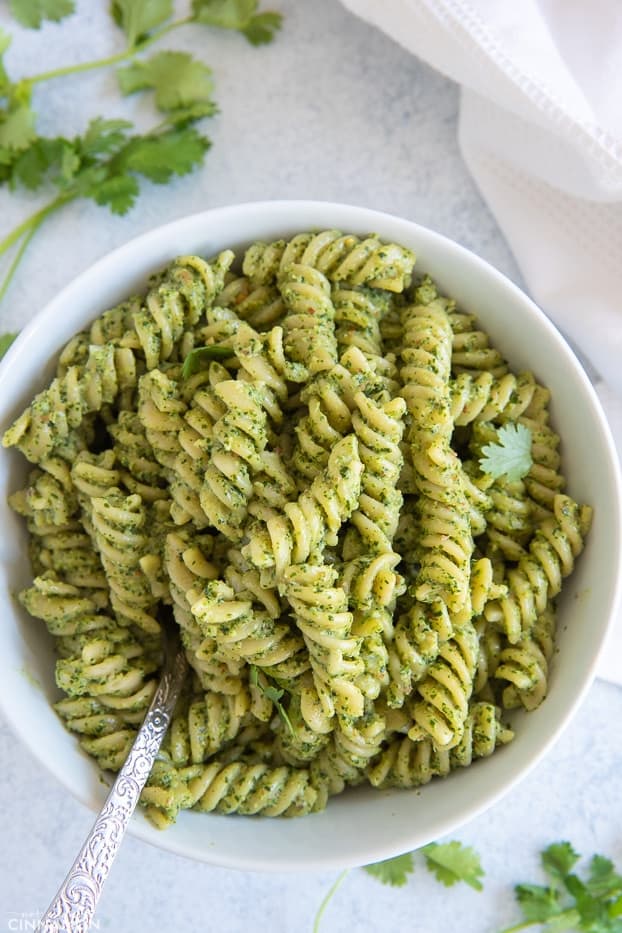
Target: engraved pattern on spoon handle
{"type": "Point", "coordinates": [73, 908]}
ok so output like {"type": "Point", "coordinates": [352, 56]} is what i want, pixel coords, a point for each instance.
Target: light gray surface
{"type": "Point", "coordinates": [335, 111]}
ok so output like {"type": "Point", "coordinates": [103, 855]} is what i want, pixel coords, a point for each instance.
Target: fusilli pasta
{"type": "Point", "coordinates": [358, 599]}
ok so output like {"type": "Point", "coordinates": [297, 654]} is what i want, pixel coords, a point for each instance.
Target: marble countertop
{"type": "Point", "coordinates": [335, 111]}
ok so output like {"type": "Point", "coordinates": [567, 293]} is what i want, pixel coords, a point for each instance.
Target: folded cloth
{"type": "Point", "coordinates": [541, 132]}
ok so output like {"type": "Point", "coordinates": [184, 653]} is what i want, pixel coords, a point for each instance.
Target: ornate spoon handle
{"type": "Point", "coordinates": [73, 908]}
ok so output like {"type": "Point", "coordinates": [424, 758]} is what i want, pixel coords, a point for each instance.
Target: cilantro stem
{"type": "Point", "coordinates": [25, 232]}
{"type": "Point", "coordinates": [16, 261]}
{"type": "Point", "coordinates": [520, 926]}
{"type": "Point", "coordinates": [65, 70]}
{"type": "Point", "coordinates": [329, 895]}
{"type": "Point", "coordinates": [568, 916]}
{"type": "Point", "coordinates": [33, 222]}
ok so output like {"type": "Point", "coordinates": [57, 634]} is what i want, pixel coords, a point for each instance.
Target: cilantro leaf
{"type": "Point", "coordinates": [5, 41]}
{"type": "Point", "coordinates": [119, 193]}
{"type": "Point", "coordinates": [31, 166]}
{"type": "Point", "coordinates": [5, 342]}
{"type": "Point", "coordinates": [603, 879]}
{"type": "Point", "coordinates": [137, 18]}
{"type": "Point", "coordinates": [538, 903]}
{"type": "Point", "coordinates": [271, 692]}
{"type": "Point", "coordinates": [177, 78]}
{"type": "Point", "coordinates": [393, 871]}
{"type": "Point", "coordinates": [241, 15]}
{"type": "Point", "coordinates": [260, 29]}
{"type": "Point", "coordinates": [176, 151]}
{"type": "Point", "coordinates": [558, 860]}
{"type": "Point", "coordinates": [228, 14]}
{"type": "Point", "coordinates": [31, 13]}
{"type": "Point", "coordinates": [593, 913]}
{"type": "Point", "coordinates": [510, 456]}
{"type": "Point", "coordinates": [104, 136]}
{"type": "Point", "coordinates": [17, 128]}
{"type": "Point", "coordinates": [452, 862]}
{"type": "Point", "coordinates": [593, 905]}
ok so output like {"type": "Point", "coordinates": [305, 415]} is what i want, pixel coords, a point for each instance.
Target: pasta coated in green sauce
{"type": "Point", "coordinates": [359, 602]}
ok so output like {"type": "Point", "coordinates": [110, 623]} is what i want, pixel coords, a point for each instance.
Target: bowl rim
{"type": "Point", "coordinates": [145, 245]}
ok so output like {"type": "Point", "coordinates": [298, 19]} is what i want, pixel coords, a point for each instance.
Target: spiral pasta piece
{"type": "Point", "coordinates": [260, 305]}
{"type": "Point", "coordinates": [347, 754]}
{"type": "Point", "coordinates": [238, 787]}
{"type": "Point", "coordinates": [66, 609]}
{"type": "Point", "coordinates": [415, 643]}
{"type": "Point", "coordinates": [358, 312]}
{"type": "Point", "coordinates": [205, 724]}
{"type": "Point", "coordinates": [342, 258]}
{"type": "Point", "coordinates": [109, 664]}
{"type": "Point", "coordinates": [314, 520]}
{"type": "Point", "coordinates": [161, 412]}
{"type": "Point", "coordinates": [538, 576]}
{"type": "Point", "coordinates": [243, 632]}
{"type": "Point", "coordinates": [321, 613]}
{"type": "Point", "coordinates": [309, 324]}
{"type": "Point", "coordinates": [525, 665]}
{"type": "Point", "coordinates": [471, 349]}
{"type": "Point", "coordinates": [186, 288]}
{"type": "Point", "coordinates": [118, 526]}
{"type": "Point", "coordinates": [188, 565]}
{"type": "Point", "coordinates": [481, 397]}
{"type": "Point", "coordinates": [48, 421]}
{"type": "Point", "coordinates": [331, 399]}
{"type": "Point", "coordinates": [445, 543]}
{"type": "Point", "coordinates": [239, 438]}
{"type": "Point", "coordinates": [262, 358]}
{"type": "Point", "coordinates": [407, 763]}
{"type": "Point", "coordinates": [442, 703]}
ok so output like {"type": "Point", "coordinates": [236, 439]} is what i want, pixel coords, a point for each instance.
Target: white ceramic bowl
{"type": "Point", "coordinates": [363, 825]}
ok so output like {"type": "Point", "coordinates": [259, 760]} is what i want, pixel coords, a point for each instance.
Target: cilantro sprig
{"type": "Point", "coordinates": [32, 13]}
{"type": "Point", "coordinates": [449, 862]}
{"type": "Point", "coordinates": [272, 692]}
{"type": "Point", "coordinates": [510, 455]}
{"type": "Point", "coordinates": [107, 162]}
{"type": "Point", "coordinates": [592, 904]}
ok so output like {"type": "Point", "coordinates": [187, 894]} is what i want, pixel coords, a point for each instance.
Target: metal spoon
{"type": "Point", "coordinates": [73, 908]}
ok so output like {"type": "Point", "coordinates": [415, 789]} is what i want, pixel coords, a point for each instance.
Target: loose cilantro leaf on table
{"type": "Point", "coordinates": [240, 15]}
{"type": "Point", "coordinates": [393, 871]}
{"type": "Point", "coordinates": [177, 79]}
{"type": "Point", "coordinates": [593, 905]}
{"type": "Point", "coordinates": [31, 13]}
{"type": "Point", "coordinates": [603, 879]}
{"type": "Point", "coordinates": [17, 130]}
{"type": "Point", "coordinates": [451, 862]}
{"type": "Point", "coordinates": [558, 860]}
{"type": "Point", "coordinates": [510, 455]}
{"type": "Point", "coordinates": [139, 18]}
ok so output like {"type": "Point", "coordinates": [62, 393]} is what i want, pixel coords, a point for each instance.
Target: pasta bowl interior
{"type": "Point", "coordinates": [363, 824]}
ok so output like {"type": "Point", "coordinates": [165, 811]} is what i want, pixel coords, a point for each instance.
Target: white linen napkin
{"type": "Point", "coordinates": [541, 132]}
